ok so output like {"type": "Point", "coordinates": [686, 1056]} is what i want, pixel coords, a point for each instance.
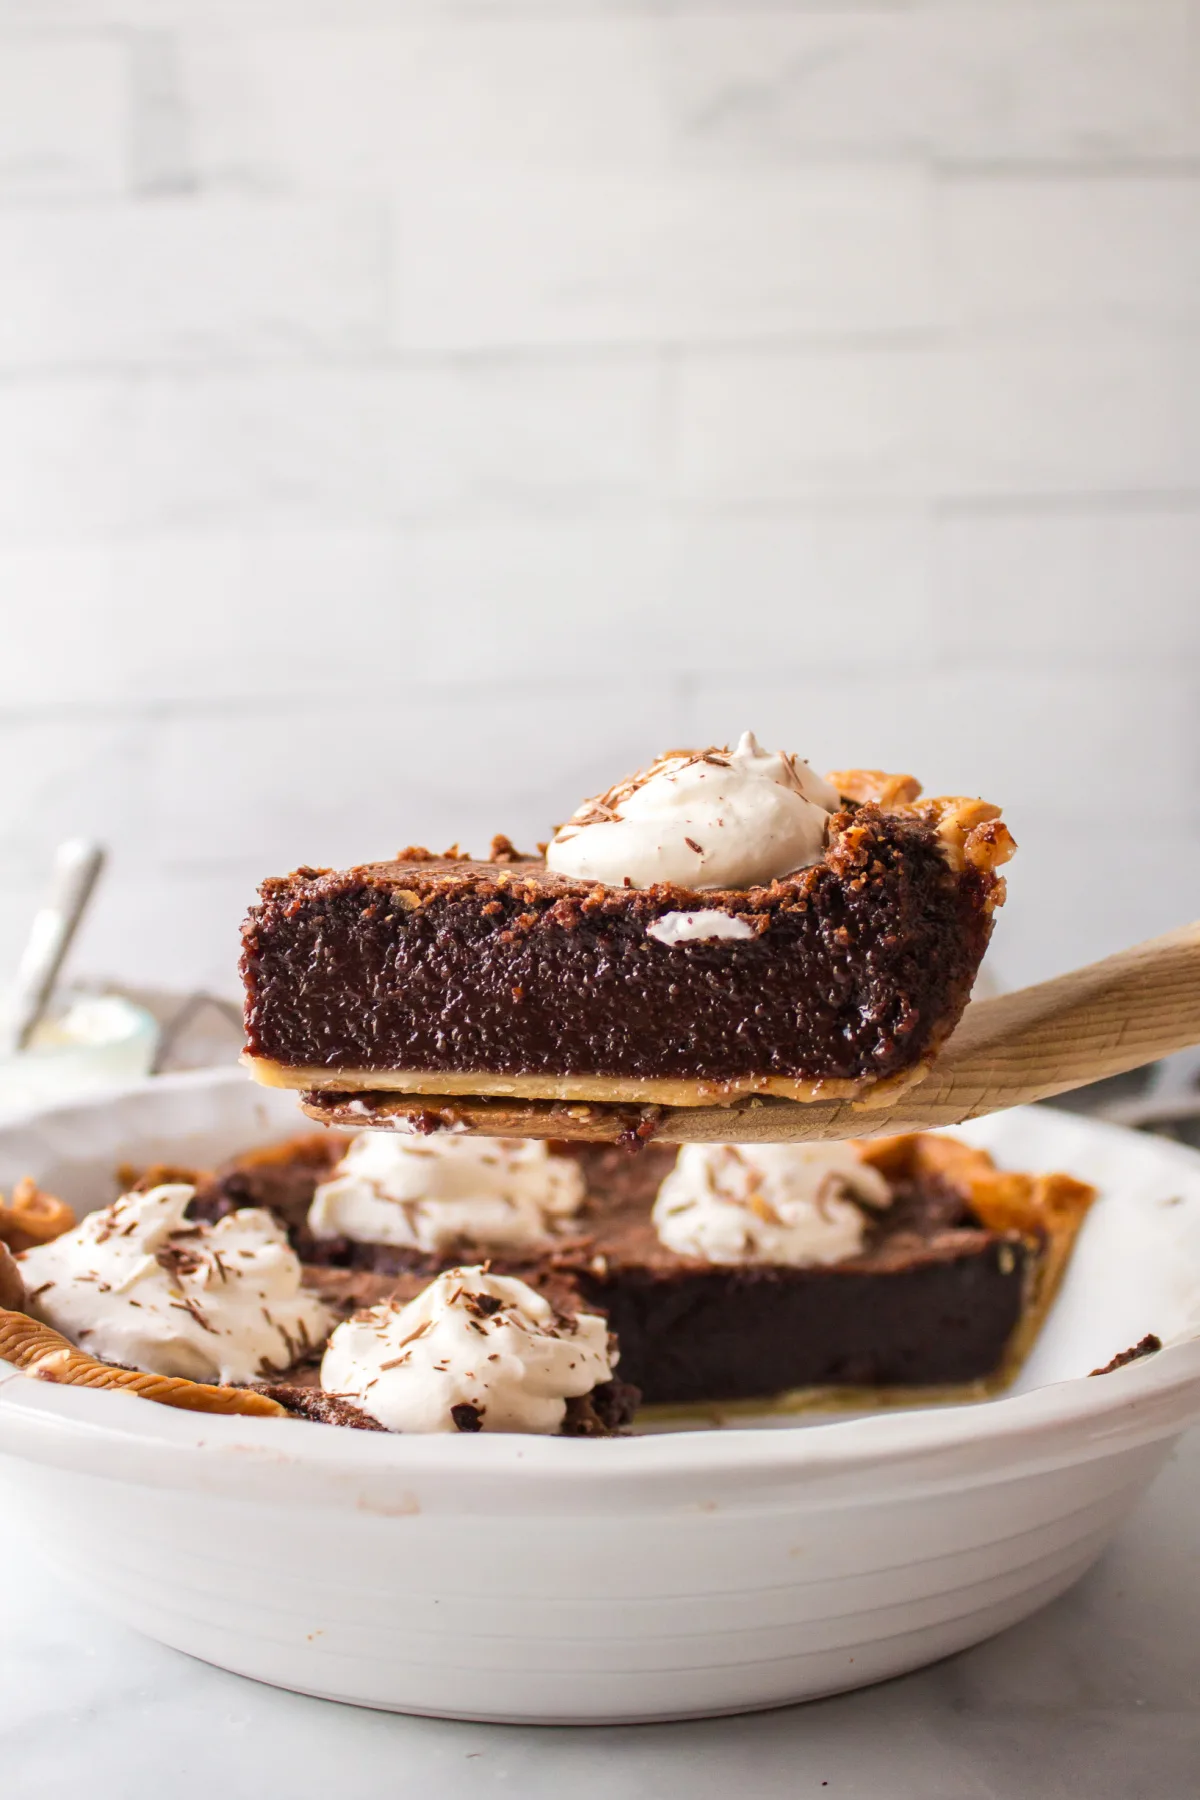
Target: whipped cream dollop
{"type": "Point", "coordinates": [697, 927]}
{"type": "Point", "coordinates": [773, 1203]}
{"type": "Point", "coordinates": [431, 1194]}
{"type": "Point", "coordinates": [701, 819]}
{"type": "Point", "coordinates": [141, 1284]}
{"type": "Point", "coordinates": [473, 1352]}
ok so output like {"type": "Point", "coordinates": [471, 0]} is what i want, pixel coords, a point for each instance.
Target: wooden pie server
{"type": "Point", "coordinates": [1101, 1020]}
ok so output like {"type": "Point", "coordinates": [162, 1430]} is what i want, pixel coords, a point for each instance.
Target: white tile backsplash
{"type": "Point", "coordinates": [415, 413]}
{"type": "Point", "coordinates": [1076, 746]}
{"type": "Point", "coordinates": [64, 120]}
{"type": "Point", "coordinates": [363, 446]}
{"type": "Point", "coordinates": [70, 774]}
{"type": "Point", "coordinates": [1024, 255]}
{"type": "Point", "coordinates": [1080, 416]}
{"type": "Point", "coordinates": [1011, 81]}
{"type": "Point", "coordinates": [134, 628]}
{"type": "Point", "coordinates": [174, 280]}
{"type": "Point", "coordinates": [498, 261]}
{"type": "Point", "coordinates": [1083, 587]}
{"type": "Point", "coordinates": [1074, 904]}
{"type": "Point", "coordinates": [450, 764]}
{"type": "Point", "coordinates": [786, 426]}
{"type": "Point", "coordinates": [335, 108]}
{"type": "Point", "coordinates": [1085, 415]}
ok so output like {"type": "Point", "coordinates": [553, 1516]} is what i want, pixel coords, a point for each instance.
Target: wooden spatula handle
{"type": "Point", "coordinates": [1101, 1020]}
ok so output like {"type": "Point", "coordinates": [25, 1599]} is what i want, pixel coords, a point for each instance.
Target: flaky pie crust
{"type": "Point", "coordinates": [32, 1216]}
{"type": "Point", "coordinates": [971, 831]}
{"type": "Point", "coordinates": [38, 1350]}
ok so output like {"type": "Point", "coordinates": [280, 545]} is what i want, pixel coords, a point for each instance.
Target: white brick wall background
{"type": "Point", "coordinates": [414, 415]}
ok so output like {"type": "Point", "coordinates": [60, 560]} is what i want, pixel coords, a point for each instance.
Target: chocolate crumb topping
{"type": "Point", "coordinates": [1144, 1347]}
{"type": "Point", "coordinates": [503, 850]}
{"type": "Point", "coordinates": [324, 1409]}
{"type": "Point", "coordinates": [605, 1412]}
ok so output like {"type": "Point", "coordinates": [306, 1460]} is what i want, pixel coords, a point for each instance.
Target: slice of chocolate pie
{"type": "Point", "coordinates": [725, 923]}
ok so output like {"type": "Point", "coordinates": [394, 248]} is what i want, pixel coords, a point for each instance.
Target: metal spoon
{"type": "Point", "coordinates": [77, 866]}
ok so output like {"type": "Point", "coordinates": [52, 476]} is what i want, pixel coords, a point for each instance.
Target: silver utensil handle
{"type": "Point", "coordinates": [77, 866]}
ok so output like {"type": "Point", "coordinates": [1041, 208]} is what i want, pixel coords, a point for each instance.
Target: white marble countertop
{"type": "Point", "coordinates": [1097, 1697]}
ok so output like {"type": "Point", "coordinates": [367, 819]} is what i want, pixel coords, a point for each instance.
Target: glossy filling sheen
{"type": "Point", "coordinates": [858, 968]}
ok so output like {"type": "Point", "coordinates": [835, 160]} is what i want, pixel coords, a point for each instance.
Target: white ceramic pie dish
{"type": "Point", "coordinates": [653, 1577]}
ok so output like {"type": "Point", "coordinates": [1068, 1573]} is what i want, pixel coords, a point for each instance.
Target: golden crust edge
{"type": "Point", "coordinates": [971, 831]}
{"type": "Point", "coordinates": [44, 1354]}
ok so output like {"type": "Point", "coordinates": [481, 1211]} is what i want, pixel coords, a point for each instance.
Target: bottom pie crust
{"type": "Point", "coordinates": [618, 1090]}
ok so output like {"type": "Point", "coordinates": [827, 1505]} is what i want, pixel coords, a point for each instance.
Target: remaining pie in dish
{"type": "Point", "coordinates": [463, 1283]}
{"type": "Point", "coordinates": [725, 923]}
{"type": "Point", "coordinates": [217, 1316]}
